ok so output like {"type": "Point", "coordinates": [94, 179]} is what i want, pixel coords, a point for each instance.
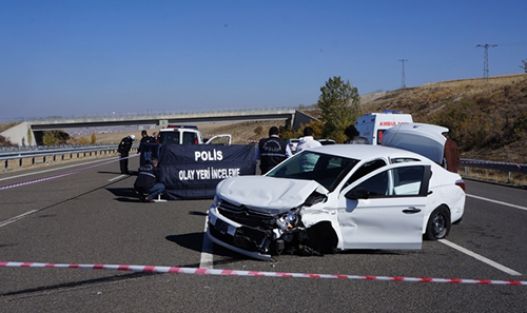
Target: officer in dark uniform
{"type": "Point", "coordinates": [146, 148]}
{"type": "Point", "coordinates": [146, 184]}
{"type": "Point", "coordinates": [124, 149]}
{"type": "Point", "coordinates": [272, 150]}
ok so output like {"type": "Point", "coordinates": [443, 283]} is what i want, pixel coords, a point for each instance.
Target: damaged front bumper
{"type": "Point", "coordinates": [241, 239]}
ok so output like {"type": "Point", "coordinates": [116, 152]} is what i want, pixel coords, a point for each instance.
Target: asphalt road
{"type": "Point", "coordinates": [91, 216]}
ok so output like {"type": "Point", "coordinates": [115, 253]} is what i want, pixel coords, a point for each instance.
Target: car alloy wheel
{"type": "Point", "coordinates": [438, 225]}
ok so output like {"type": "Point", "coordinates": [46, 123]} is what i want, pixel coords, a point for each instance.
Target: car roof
{"type": "Point", "coordinates": [364, 151]}
{"type": "Point", "coordinates": [179, 129]}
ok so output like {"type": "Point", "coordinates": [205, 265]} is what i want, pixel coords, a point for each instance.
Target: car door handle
{"type": "Point", "coordinates": [411, 210]}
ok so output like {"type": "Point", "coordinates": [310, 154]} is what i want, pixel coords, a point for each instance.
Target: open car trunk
{"type": "Point", "coordinates": [424, 139]}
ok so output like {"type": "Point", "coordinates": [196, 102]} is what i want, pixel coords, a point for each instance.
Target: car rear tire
{"type": "Point", "coordinates": [439, 224]}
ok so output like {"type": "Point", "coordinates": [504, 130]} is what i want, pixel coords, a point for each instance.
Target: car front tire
{"type": "Point", "coordinates": [439, 224]}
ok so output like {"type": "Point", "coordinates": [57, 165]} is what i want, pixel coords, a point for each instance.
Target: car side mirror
{"type": "Point", "coordinates": [355, 194]}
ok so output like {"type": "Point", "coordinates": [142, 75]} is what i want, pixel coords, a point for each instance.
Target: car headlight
{"type": "Point", "coordinates": [287, 221]}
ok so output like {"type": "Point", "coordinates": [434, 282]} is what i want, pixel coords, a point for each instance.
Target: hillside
{"type": "Point", "coordinates": [488, 118]}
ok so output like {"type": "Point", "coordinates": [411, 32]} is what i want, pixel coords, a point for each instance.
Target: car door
{"type": "Point", "coordinates": [385, 209]}
{"type": "Point", "coordinates": [224, 139]}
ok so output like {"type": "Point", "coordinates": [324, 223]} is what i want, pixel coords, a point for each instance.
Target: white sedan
{"type": "Point", "coordinates": [335, 198]}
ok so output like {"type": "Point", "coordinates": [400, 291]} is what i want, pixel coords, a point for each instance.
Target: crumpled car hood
{"type": "Point", "coordinates": [267, 194]}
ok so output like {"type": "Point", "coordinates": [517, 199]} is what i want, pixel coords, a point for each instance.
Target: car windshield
{"type": "Point", "coordinates": [327, 170]}
{"type": "Point", "coordinates": [169, 137]}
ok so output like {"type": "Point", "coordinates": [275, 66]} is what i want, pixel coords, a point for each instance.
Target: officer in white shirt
{"type": "Point", "coordinates": [308, 161]}
{"type": "Point", "coordinates": [307, 141]}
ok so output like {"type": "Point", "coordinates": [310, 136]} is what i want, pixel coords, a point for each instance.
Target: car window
{"type": "Point", "coordinates": [376, 186]}
{"type": "Point", "coordinates": [169, 137]}
{"type": "Point", "coordinates": [403, 160]}
{"type": "Point", "coordinates": [407, 180]}
{"type": "Point", "coordinates": [327, 170]}
{"type": "Point", "coordinates": [190, 138]}
{"type": "Point", "coordinates": [365, 169]}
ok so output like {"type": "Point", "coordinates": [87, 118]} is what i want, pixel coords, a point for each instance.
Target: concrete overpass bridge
{"type": "Point", "coordinates": [24, 133]}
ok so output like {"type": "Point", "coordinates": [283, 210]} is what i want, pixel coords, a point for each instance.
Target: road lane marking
{"type": "Point", "coordinates": [498, 202]}
{"type": "Point", "coordinates": [118, 177]}
{"type": "Point", "coordinates": [480, 258]}
{"type": "Point", "coordinates": [54, 169]}
{"type": "Point", "coordinates": [16, 218]}
{"type": "Point", "coordinates": [206, 258]}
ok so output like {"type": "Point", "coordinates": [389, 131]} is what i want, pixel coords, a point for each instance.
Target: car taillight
{"type": "Point", "coordinates": [461, 184]}
{"type": "Point", "coordinates": [380, 134]}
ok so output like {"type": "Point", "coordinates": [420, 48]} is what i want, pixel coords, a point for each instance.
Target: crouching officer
{"type": "Point", "coordinates": [273, 150]}
{"type": "Point", "coordinates": [146, 183]}
{"type": "Point", "coordinates": [124, 150]}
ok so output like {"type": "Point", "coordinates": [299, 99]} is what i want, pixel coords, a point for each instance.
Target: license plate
{"type": "Point", "coordinates": [224, 228]}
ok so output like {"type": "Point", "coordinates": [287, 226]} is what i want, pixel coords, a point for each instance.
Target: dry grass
{"type": "Point", "coordinates": [488, 118]}
{"type": "Point", "coordinates": [499, 177]}
{"type": "Point", "coordinates": [242, 132]}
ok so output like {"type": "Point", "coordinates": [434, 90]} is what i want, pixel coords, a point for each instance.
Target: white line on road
{"type": "Point", "coordinates": [54, 169]}
{"type": "Point", "coordinates": [480, 258]}
{"type": "Point", "coordinates": [118, 177]}
{"type": "Point", "coordinates": [16, 218]}
{"type": "Point", "coordinates": [499, 202]}
{"type": "Point", "coordinates": [206, 259]}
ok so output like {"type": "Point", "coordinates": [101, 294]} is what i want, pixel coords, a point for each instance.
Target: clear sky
{"type": "Point", "coordinates": [76, 57]}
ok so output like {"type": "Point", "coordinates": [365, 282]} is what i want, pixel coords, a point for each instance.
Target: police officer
{"type": "Point", "coordinates": [354, 136]}
{"type": "Point", "coordinates": [146, 184]}
{"type": "Point", "coordinates": [272, 150]}
{"type": "Point", "coordinates": [146, 148]}
{"type": "Point", "coordinates": [124, 149]}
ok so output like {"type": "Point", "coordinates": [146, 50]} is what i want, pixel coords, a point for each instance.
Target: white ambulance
{"type": "Point", "coordinates": [372, 125]}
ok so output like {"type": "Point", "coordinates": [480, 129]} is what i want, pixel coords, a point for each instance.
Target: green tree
{"type": "Point", "coordinates": [339, 106]}
{"type": "Point", "coordinates": [49, 139]}
{"type": "Point", "coordinates": [93, 139]}
{"type": "Point", "coordinates": [55, 137]}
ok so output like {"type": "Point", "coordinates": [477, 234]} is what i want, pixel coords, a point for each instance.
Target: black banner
{"type": "Point", "coordinates": [193, 171]}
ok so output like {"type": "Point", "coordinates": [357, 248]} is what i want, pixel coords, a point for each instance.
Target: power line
{"type": "Point", "coordinates": [403, 73]}
{"type": "Point", "coordinates": [486, 47]}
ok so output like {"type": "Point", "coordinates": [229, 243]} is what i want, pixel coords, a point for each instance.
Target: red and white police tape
{"type": "Point", "coordinates": [40, 180]}
{"type": "Point", "coordinates": [227, 272]}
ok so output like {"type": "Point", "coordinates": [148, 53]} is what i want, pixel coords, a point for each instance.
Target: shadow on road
{"type": "Point", "coordinates": [106, 279]}
{"type": "Point", "coordinates": [108, 172]}
{"type": "Point", "coordinates": [197, 213]}
{"type": "Point", "coordinates": [194, 241]}
{"type": "Point", "coordinates": [123, 192]}
{"type": "Point", "coordinates": [191, 241]}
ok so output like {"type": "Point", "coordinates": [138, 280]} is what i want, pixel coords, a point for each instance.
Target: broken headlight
{"type": "Point", "coordinates": [287, 221]}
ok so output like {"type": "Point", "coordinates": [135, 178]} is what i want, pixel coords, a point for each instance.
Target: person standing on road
{"type": "Point", "coordinates": [124, 150]}
{"type": "Point", "coordinates": [307, 161]}
{"type": "Point", "coordinates": [353, 135]}
{"type": "Point", "coordinates": [451, 155]}
{"type": "Point", "coordinates": [146, 184]}
{"type": "Point", "coordinates": [272, 150]}
{"type": "Point", "coordinates": [146, 149]}
{"type": "Point", "coordinates": [308, 141]}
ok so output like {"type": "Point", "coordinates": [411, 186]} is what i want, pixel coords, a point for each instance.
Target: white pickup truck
{"type": "Point", "coordinates": [189, 135]}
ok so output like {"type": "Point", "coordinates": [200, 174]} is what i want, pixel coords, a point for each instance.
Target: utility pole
{"type": "Point", "coordinates": [403, 73]}
{"type": "Point", "coordinates": [486, 47]}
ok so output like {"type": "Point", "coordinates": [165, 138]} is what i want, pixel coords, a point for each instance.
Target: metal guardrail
{"type": "Point", "coordinates": [31, 158]}
{"type": "Point", "coordinates": [494, 165]}
{"type": "Point", "coordinates": [52, 150]}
